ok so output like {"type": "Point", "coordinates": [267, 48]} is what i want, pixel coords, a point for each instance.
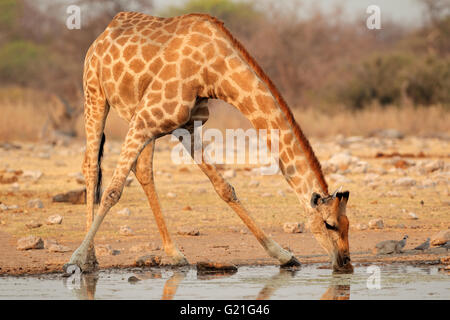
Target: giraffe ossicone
{"type": "Point", "coordinates": [158, 74]}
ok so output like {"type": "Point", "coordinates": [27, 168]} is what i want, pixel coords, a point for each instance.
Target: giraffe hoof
{"type": "Point", "coordinates": [293, 263]}
{"type": "Point", "coordinates": [71, 269]}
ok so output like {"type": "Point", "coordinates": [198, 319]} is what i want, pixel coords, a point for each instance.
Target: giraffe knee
{"type": "Point", "coordinates": [226, 192]}
{"type": "Point", "coordinates": [111, 197]}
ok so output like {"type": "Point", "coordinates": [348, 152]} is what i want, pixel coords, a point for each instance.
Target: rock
{"type": "Point", "coordinates": [124, 212]}
{"type": "Point", "coordinates": [361, 226]}
{"type": "Point", "coordinates": [30, 242]}
{"type": "Point", "coordinates": [400, 226]}
{"type": "Point", "coordinates": [201, 190]}
{"type": "Point", "coordinates": [8, 177]}
{"type": "Point", "coordinates": [105, 250]}
{"type": "Point", "coordinates": [228, 174]}
{"type": "Point", "coordinates": [144, 247]}
{"type": "Point", "coordinates": [413, 216]}
{"type": "Point", "coordinates": [281, 193]}
{"type": "Point", "coordinates": [33, 225]}
{"type": "Point", "coordinates": [187, 208]}
{"type": "Point", "coordinates": [405, 182]}
{"type": "Point", "coordinates": [73, 197]}
{"type": "Point", "coordinates": [58, 248]}
{"type": "Point", "coordinates": [54, 219]}
{"type": "Point", "coordinates": [360, 167]}
{"type": "Point", "coordinates": [266, 195]}
{"type": "Point", "coordinates": [148, 261]}
{"type": "Point", "coordinates": [126, 231]}
{"type": "Point", "coordinates": [440, 238]}
{"type": "Point", "coordinates": [215, 267]}
{"type": "Point", "coordinates": [376, 224]}
{"type": "Point", "coordinates": [49, 242]}
{"type": "Point", "coordinates": [133, 279]}
{"type": "Point", "coordinates": [171, 195]}
{"type": "Point", "coordinates": [393, 194]}
{"type": "Point", "coordinates": [388, 134]}
{"type": "Point", "coordinates": [293, 227]}
{"type": "Point", "coordinates": [253, 184]}
{"type": "Point", "coordinates": [35, 203]}
{"type": "Point", "coordinates": [341, 161]}
{"type": "Point", "coordinates": [445, 260]}
{"type": "Point", "coordinates": [339, 178]}
{"type": "Point", "coordinates": [428, 183]}
{"type": "Point", "coordinates": [435, 165]}
{"type": "Point", "coordinates": [34, 175]}
{"type": "Point", "coordinates": [187, 231]}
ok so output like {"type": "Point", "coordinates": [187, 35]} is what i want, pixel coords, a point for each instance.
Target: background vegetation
{"type": "Point", "coordinates": [317, 60]}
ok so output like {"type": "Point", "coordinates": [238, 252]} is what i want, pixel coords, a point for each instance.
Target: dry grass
{"type": "Point", "coordinates": [24, 113]}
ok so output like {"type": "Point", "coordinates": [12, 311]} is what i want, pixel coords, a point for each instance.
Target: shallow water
{"type": "Point", "coordinates": [262, 282]}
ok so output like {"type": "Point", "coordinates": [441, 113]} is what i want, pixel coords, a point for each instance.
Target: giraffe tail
{"type": "Point", "coordinates": [98, 187]}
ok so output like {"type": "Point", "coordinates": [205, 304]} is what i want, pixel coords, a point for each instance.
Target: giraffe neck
{"type": "Point", "coordinates": [297, 161]}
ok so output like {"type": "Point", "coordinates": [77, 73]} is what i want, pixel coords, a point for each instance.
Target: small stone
{"type": "Point", "coordinates": [413, 216]}
{"type": "Point", "coordinates": [400, 226]}
{"type": "Point", "coordinates": [126, 231]}
{"type": "Point", "coordinates": [103, 250]}
{"type": "Point", "coordinates": [405, 182]}
{"type": "Point", "coordinates": [339, 178]}
{"type": "Point", "coordinates": [215, 267]}
{"type": "Point", "coordinates": [49, 242]}
{"type": "Point", "coordinates": [54, 219]}
{"type": "Point", "coordinates": [30, 242]}
{"type": "Point", "coordinates": [228, 174]}
{"type": "Point", "coordinates": [33, 225]}
{"type": "Point", "coordinates": [186, 231]}
{"type": "Point", "coordinates": [376, 224]}
{"type": "Point", "coordinates": [73, 197]}
{"type": "Point", "coordinates": [171, 195]}
{"type": "Point", "coordinates": [361, 226]}
{"type": "Point", "coordinates": [393, 194]}
{"type": "Point", "coordinates": [440, 238]}
{"type": "Point", "coordinates": [266, 195]}
{"type": "Point", "coordinates": [253, 184]}
{"type": "Point", "coordinates": [34, 175]}
{"type": "Point", "coordinates": [124, 212]}
{"type": "Point", "coordinates": [58, 248]}
{"type": "Point", "coordinates": [144, 247]}
{"type": "Point", "coordinates": [281, 193]}
{"type": "Point", "coordinates": [293, 227]}
{"type": "Point", "coordinates": [201, 190]}
{"type": "Point", "coordinates": [35, 203]}
{"type": "Point", "coordinates": [148, 261]}
{"type": "Point", "coordinates": [133, 279]}
{"type": "Point", "coordinates": [187, 208]}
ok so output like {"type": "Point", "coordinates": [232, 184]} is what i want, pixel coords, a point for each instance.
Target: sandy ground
{"type": "Point", "coordinates": [371, 174]}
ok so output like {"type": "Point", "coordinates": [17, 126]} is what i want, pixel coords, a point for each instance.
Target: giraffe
{"type": "Point", "coordinates": [158, 74]}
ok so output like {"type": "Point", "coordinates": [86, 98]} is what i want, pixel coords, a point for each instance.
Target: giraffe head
{"type": "Point", "coordinates": [330, 225]}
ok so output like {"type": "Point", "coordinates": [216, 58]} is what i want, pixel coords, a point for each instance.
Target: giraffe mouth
{"type": "Point", "coordinates": [342, 263]}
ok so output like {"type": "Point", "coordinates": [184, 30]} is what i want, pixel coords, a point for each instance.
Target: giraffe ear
{"type": "Point", "coordinates": [315, 199]}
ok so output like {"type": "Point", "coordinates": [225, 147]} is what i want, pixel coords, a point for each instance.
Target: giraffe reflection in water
{"type": "Point", "coordinates": [339, 287]}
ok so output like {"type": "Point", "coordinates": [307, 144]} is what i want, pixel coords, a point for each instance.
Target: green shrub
{"type": "Point", "coordinates": [20, 60]}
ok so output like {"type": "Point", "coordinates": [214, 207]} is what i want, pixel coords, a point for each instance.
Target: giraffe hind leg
{"type": "Point", "coordinates": [144, 174]}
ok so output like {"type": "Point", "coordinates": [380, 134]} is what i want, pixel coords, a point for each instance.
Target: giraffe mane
{"type": "Point", "coordinates": [304, 143]}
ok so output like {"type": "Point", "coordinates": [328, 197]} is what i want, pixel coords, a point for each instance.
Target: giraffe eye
{"type": "Point", "coordinates": [330, 227]}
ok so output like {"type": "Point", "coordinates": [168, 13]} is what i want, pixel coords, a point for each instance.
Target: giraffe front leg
{"type": "Point", "coordinates": [144, 174]}
{"type": "Point", "coordinates": [137, 137]}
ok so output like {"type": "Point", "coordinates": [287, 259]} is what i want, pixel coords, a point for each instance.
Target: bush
{"type": "Point", "coordinates": [429, 82]}
{"type": "Point", "coordinates": [392, 77]}
{"type": "Point", "coordinates": [20, 61]}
